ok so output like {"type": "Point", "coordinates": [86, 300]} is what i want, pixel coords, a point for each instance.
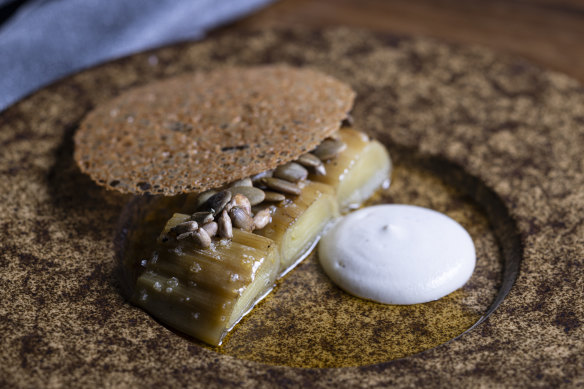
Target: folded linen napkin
{"type": "Point", "coordinates": [44, 40]}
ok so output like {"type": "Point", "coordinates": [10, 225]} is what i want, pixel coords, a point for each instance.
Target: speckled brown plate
{"type": "Point", "coordinates": [492, 141]}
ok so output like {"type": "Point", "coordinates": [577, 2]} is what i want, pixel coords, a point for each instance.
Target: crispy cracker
{"type": "Point", "coordinates": [201, 131]}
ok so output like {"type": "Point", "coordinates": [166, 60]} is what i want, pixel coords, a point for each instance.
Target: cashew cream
{"type": "Point", "coordinates": [397, 254]}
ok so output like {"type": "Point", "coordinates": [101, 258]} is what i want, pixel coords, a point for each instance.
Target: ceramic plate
{"type": "Point", "coordinates": [492, 141]}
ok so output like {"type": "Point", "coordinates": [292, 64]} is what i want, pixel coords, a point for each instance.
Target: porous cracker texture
{"type": "Point", "coordinates": [203, 130]}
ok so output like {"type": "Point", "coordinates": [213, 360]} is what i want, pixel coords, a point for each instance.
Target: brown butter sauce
{"type": "Point", "coordinates": [309, 322]}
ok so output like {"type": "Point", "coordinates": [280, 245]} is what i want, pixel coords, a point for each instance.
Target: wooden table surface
{"type": "Point", "coordinates": [548, 32]}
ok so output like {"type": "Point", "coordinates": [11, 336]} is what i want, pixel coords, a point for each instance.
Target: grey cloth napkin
{"type": "Point", "coordinates": [45, 40]}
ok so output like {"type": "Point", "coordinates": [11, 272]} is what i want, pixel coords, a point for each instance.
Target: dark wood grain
{"type": "Point", "coordinates": [545, 31]}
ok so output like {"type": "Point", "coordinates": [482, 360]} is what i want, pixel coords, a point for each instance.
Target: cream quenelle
{"type": "Point", "coordinates": [398, 254]}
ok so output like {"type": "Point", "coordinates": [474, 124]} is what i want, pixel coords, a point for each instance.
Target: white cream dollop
{"type": "Point", "coordinates": [397, 254]}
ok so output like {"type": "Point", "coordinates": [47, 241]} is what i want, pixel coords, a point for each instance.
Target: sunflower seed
{"type": "Point", "coordinates": [281, 185]}
{"type": "Point", "coordinates": [291, 171]}
{"type": "Point", "coordinates": [217, 202]}
{"type": "Point", "coordinates": [241, 219]}
{"type": "Point", "coordinates": [254, 195]}
{"type": "Point", "coordinates": [258, 208]}
{"type": "Point", "coordinates": [309, 160]}
{"type": "Point", "coordinates": [184, 235]}
{"type": "Point", "coordinates": [312, 161]}
{"type": "Point", "coordinates": [239, 200]}
{"type": "Point", "coordinates": [203, 197]}
{"type": "Point", "coordinates": [185, 227]}
{"type": "Point", "coordinates": [202, 217]}
{"type": "Point", "coordinates": [211, 228]}
{"type": "Point", "coordinates": [225, 229]}
{"type": "Point", "coordinates": [262, 218]}
{"type": "Point", "coordinates": [244, 182]}
{"type": "Point", "coordinates": [274, 196]}
{"type": "Point", "coordinates": [320, 170]}
{"type": "Point", "coordinates": [202, 238]}
{"type": "Point", "coordinates": [329, 148]}
{"type": "Point", "coordinates": [259, 176]}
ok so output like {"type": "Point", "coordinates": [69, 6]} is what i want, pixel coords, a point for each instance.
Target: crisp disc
{"type": "Point", "coordinates": [203, 130]}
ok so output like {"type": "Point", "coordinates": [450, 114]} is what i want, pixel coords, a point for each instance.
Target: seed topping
{"type": "Point", "coordinates": [202, 217]}
{"type": "Point", "coordinates": [225, 228]}
{"type": "Point", "coordinates": [243, 205]}
{"type": "Point", "coordinates": [211, 228]}
{"type": "Point", "coordinates": [240, 201]}
{"type": "Point", "coordinates": [244, 182]}
{"type": "Point", "coordinates": [203, 197]}
{"type": "Point", "coordinates": [274, 196]}
{"type": "Point", "coordinates": [184, 228]}
{"type": "Point", "coordinates": [309, 160]}
{"type": "Point", "coordinates": [217, 202]}
{"type": "Point", "coordinates": [312, 161]}
{"type": "Point", "coordinates": [329, 148]}
{"type": "Point", "coordinates": [241, 219]}
{"type": "Point", "coordinates": [262, 219]}
{"type": "Point", "coordinates": [202, 238]}
{"type": "Point", "coordinates": [291, 171]}
{"type": "Point", "coordinates": [280, 185]}
{"type": "Point", "coordinates": [253, 194]}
